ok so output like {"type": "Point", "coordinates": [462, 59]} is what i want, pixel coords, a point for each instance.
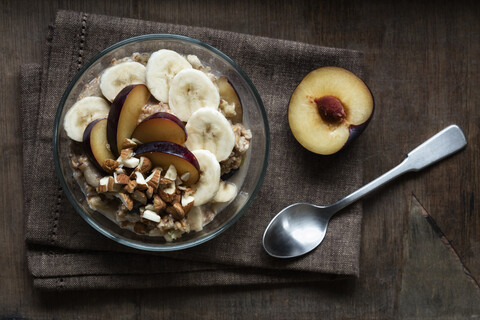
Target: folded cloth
{"type": "Point", "coordinates": [65, 252]}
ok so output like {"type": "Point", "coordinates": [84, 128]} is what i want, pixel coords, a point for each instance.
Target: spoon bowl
{"type": "Point", "coordinates": [301, 227]}
{"type": "Point", "coordinates": [305, 226]}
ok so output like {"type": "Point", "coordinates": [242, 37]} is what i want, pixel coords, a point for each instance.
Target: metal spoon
{"type": "Point", "coordinates": [301, 227]}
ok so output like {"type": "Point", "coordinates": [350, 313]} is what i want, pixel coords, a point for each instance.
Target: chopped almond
{"type": "Point", "coordinates": [110, 165]}
{"type": "Point", "coordinates": [127, 202]}
{"type": "Point", "coordinates": [131, 185]}
{"type": "Point", "coordinates": [121, 178]}
{"type": "Point", "coordinates": [158, 203]}
{"type": "Point", "coordinates": [149, 192]}
{"type": "Point", "coordinates": [153, 179]}
{"type": "Point", "coordinates": [106, 184]}
{"type": "Point", "coordinates": [139, 196]}
{"type": "Point", "coordinates": [126, 153]}
{"type": "Point", "coordinates": [176, 211]}
{"type": "Point", "coordinates": [129, 144]}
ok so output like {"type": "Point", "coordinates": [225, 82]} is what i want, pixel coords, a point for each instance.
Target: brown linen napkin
{"type": "Point", "coordinates": [65, 252]}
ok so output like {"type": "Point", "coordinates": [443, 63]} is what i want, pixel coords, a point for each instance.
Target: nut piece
{"type": "Point", "coordinates": [130, 187]}
{"type": "Point", "coordinates": [171, 173]}
{"type": "Point", "coordinates": [127, 202]}
{"type": "Point", "coordinates": [139, 196]}
{"type": "Point", "coordinates": [150, 215]}
{"type": "Point", "coordinates": [110, 165]}
{"type": "Point", "coordinates": [168, 193]}
{"type": "Point", "coordinates": [121, 178]}
{"type": "Point", "coordinates": [187, 202]}
{"type": "Point", "coordinates": [149, 192]}
{"type": "Point", "coordinates": [126, 153]}
{"type": "Point", "coordinates": [185, 176]}
{"type": "Point", "coordinates": [129, 144]}
{"type": "Point", "coordinates": [106, 184]}
{"type": "Point", "coordinates": [176, 211]}
{"type": "Point", "coordinates": [153, 179]}
{"type": "Point", "coordinates": [141, 183]}
{"type": "Point", "coordinates": [158, 203]}
{"type": "Point", "coordinates": [144, 165]}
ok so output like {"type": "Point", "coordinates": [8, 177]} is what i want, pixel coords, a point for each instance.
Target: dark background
{"type": "Point", "coordinates": [422, 67]}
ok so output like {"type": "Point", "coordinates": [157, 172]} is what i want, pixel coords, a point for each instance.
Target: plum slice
{"type": "Point", "coordinates": [161, 126]}
{"type": "Point", "coordinates": [329, 109]}
{"type": "Point", "coordinates": [229, 94]}
{"type": "Point", "coordinates": [124, 113]}
{"type": "Point", "coordinates": [95, 143]}
{"type": "Point", "coordinates": [164, 153]}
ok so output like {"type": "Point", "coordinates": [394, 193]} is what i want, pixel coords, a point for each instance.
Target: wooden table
{"type": "Point", "coordinates": [421, 235]}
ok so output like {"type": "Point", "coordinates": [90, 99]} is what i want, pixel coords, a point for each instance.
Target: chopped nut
{"type": "Point", "coordinates": [110, 165]}
{"type": "Point", "coordinates": [144, 165]}
{"type": "Point", "coordinates": [158, 203]}
{"type": "Point", "coordinates": [139, 196]}
{"type": "Point", "coordinates": [150, 207]}
{"type": "Point", "coordinates": [176, 211]}
{"type": "Point", "coordinates": [149, 192]}
{"type": "Point", "coordinates": [129, 144]}
{"type": "Point", "coordinates": [120, 170]}
{"type": "Point", "coordinates": [106, 184]}
{"type": "Point", "coordinates": [168, 193]}
{"type": "Point", "coordinates": [131, 162]}
{"type": "Point", "coordinates": [185, 176]}
{"type": "Point", "coordinates": [189, 191]}
{"type": "Point", "coordinates": [177, 197]}
{"type": "Point", "coordinates": [164, 181]}
{"type": "Point", "coordinates": [141, 183]}
{"type": "Point", "coordinates": [153, 179]}
{"type": "Point", "coordinates": [131, 185]}
{"type": "Point", "coordinates": [150, 215]}
{"type": "Point", "coordinates": [121, 178]}
{"type": "Point", "coordinates": [187, 202]}
{"type": "Point", "coordinates": [138, 142]}
{"type": "Point", "coordinates": [171, 173]}
{"type": "Point", "coordinates": [126, 153]}
{"type": "Point", "coordinates": [127, 202]}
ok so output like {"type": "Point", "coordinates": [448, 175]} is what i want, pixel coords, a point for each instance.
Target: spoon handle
{"type": "Point", "coordinates": [445, 143]}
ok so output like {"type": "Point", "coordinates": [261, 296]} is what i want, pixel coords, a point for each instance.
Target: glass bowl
{"type": "Point", "coordinates": [251, 172]}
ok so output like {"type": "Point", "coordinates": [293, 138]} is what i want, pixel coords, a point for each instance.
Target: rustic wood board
{"type": "Point", "coordinates": [422, 67]}
{"type": "Point", "coordinates": [435, 283]}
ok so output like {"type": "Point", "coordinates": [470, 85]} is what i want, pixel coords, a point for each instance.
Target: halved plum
{"type": "Point", "coordinates": [161, 126]}
{"type": "Point", "coordinates": [229, 94]}
{"type": "Point", "coordinates": [329, 108]}
{"type": "Point", "coordinates": [95, 143]}
{"type": "Point", "coordinates": [123, 115]}
{"type": "Point", "coordinates": [164, 153]}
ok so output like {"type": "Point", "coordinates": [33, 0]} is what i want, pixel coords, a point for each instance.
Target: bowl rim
{"type": "Point", "coordinates": [111, 235]}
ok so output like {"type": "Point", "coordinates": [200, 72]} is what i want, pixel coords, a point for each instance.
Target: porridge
{"type": "Point", "coordinates": [152, 136]}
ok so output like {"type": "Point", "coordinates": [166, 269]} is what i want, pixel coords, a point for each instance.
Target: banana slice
{"type": "Point", "coordinates": [117, 77]}
{"type": "Point", "coordinates": [162, 67]}
{"type": "Point", "coordinates": [82, 113]}
{"type": "Point", "coordinates": [191, 90]}
{"type": "Point", "coordinates": [209, 182]}
{"type": "Point", "coordinates": [208, 129]}
{"type": "Point", "coordinates": [195, 219]}
{"type": "Point", "coordinates": [226, 192]}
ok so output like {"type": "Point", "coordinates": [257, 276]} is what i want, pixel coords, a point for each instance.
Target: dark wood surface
{"type": "Point", "coordinates": [422, 63]}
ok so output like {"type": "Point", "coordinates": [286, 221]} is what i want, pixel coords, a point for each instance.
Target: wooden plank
{"type": "Point", "coordinates": [435, 283]}
{"type": "Point", "coordinates": [422, 68]}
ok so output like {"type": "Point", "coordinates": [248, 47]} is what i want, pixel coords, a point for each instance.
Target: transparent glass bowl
{"type": "Point", "coordinates": [255, 119]}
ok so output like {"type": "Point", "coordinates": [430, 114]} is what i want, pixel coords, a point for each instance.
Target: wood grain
{"type": "Point", "coordinates": [422, 67]}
